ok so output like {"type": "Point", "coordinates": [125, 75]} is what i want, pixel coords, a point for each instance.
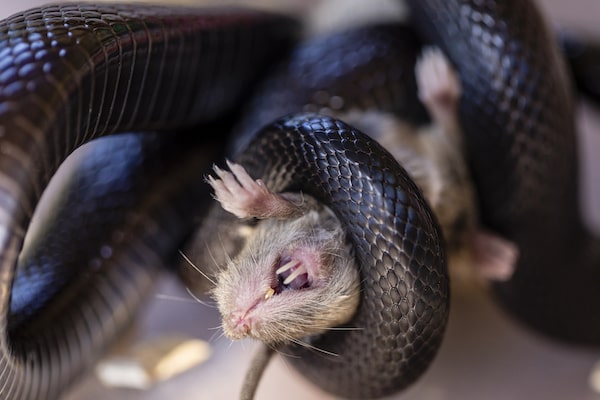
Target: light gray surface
{"type": "Point", "coordinates": [484, 355]}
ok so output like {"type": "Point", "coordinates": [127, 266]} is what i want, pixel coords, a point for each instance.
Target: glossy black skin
{"type": "Point", "coordinates": [79, 72]}
{"type": "Point", "coordinates": [398, 243]}
{"type": "Point", "coordinates": [517, 113]}
{"type": "Point", "coordinates": [583, 57]}
{"type": "Point", "coordinates": [71, 73]}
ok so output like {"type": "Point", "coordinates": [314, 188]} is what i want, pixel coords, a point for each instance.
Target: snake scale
{"type": "Point", "coordinates": [70, 73]}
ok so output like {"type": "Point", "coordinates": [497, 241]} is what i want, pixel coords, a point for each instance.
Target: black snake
{"type": "Point", "coordinates": [73, 72]}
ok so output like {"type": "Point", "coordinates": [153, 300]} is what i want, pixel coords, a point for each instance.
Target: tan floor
{"type": "Point", "coordinates": [485, 354]}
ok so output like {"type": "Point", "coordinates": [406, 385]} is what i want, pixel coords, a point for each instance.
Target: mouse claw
{"type": "Point", "coordinates": [246, 197]}
{"type": "Point", "coordinates": [237, 192]}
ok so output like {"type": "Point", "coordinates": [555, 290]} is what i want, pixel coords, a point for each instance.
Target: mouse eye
{"type": "Point", "coordinates": [291, 274]}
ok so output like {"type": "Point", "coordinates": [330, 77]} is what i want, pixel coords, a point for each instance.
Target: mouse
{"type": "Point", "coordinates": [296, 275]}
{"type": "Point", "coordinates": [434, 156]}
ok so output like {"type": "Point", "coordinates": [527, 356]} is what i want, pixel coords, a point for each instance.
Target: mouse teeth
{"type": "Point", "coordinates": [298, 279]}
{"type": "Point", "coordinates": [287, 266]}
{"type": "Point", "coordinates": [291, 275]}
{"type": "Point", "coordinates": [300, 270]}
{"type": "Point", "coordinates": [269, 293]}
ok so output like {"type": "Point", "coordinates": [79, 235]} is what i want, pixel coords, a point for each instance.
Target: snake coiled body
{"type": "Point", "coordinates": [71, 73]}
{"type": "Point", "coordinates": [518, 118]}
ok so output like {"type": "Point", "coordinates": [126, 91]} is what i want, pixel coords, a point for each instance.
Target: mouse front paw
{"type": "Point", "coordinates": [246, 197]}
{"type": "Point", "coordinates": [438, 84]}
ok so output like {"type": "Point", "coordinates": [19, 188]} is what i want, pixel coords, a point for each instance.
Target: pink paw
{"type": "Point", "coordinates": [495, 257]}
{"type": "Point", "coordinates": [246, 197]}
{"type": "Point", "coordinates": [237, 192]}
{"type": "Point", "coordinates": [437, 82]}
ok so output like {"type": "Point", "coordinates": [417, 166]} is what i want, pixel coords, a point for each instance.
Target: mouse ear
{"type": "Point", "coordinates": [494, 257]}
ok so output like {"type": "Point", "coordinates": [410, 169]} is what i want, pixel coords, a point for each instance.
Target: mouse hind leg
{"type": "Point", "coordinates": [439, 90]}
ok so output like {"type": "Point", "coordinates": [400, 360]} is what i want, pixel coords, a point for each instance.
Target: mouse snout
{"type": "Point", "coordinates": [238, 325]}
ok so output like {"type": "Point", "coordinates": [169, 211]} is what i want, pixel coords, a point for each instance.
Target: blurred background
{"type": "Point", "coordinates": [485, 353]}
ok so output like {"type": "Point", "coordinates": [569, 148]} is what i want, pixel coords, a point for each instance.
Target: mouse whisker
{"type": "Point", "coordinates": [212, 256]}
{"type": "Point", "coordinates": [253, 258]}
{"type": "Point", "coordinates": [343, 328]}
{"type": "Point", "coordinates": [198, 300]}
{"type": "Point", "coordinates": [331, 253]}
{"type": "Point", "coordinates": [225, 252]}
{"type": "Point", "coordinates": [196, 268]}
{"type": "Point", "coordinates": [277, 333]}
{"type": "Point", "coordinates": [334, 249]}
{"type": "Point", "coordinates": [278, 349]}
{"type": "Point", "coordinates": [312, 347]}
{"type": "Point", "coordinates": [230, 345]}
{"type": "Point", "coordinates": [164, 296]}
{"type": "Point", "coordinates": [215, 328]}
{"type": "Point", "coordinates": [217, 335]}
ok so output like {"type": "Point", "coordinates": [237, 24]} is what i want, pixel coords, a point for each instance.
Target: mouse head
{"type": "Point", "coordinates": [293, 279]}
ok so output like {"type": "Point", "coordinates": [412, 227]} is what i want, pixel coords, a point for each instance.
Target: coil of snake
{"type": "Point", "coordinates": [73, 72]}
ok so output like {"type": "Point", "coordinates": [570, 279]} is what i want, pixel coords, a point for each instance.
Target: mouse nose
{"type": "Point", "coordinates": [239, 326]}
